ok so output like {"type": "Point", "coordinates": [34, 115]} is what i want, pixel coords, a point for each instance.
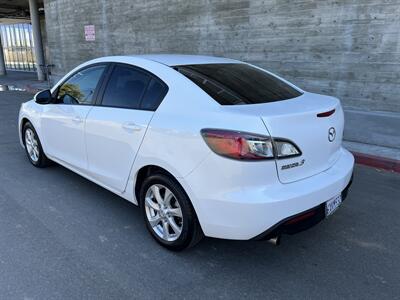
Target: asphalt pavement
{"type": "Point", "coordinates": [63, 237]}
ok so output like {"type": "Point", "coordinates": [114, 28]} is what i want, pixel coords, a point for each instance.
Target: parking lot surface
{"type": "Point", "coordinates": [63, 237]}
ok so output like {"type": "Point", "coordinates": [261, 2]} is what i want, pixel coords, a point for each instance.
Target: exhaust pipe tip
{"type": "Point", "coordinates": [276, 241]}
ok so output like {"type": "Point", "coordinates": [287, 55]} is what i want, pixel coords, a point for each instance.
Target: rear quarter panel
{"type": "Point", "coordinates": [173, 137]}
{"type": "Point", "coordinates": [173, 141]}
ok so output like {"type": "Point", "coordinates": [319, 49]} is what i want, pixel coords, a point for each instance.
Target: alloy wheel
{"type": "Point", "coordinates": [32, 145]}
{"type": "Point", "coordinates": [163, 212]}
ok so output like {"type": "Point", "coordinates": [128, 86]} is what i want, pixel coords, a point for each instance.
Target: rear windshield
{"type": "Point", "coordinates": [234, 84]}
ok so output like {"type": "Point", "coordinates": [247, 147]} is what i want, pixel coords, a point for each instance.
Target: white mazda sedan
{"type": "Point", "coordinates": [204, 145]}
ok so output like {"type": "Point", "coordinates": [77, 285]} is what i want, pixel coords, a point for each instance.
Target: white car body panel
{"type": "Point", "coordinates": [111, 153]}
{"type": "Point", "coordinates": [232, 199]}
{"type": "Point", "coordinates": [242, 209]}
{"type": "Point", "coordinates": [69, 120]}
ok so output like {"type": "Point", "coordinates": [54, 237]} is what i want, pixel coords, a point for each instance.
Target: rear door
{"type": "Point", "coordinates": [116, 126]}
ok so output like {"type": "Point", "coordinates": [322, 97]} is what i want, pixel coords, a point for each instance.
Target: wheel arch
{"type": "Point", "coordinates": [24, 121]}
{"type": "Point", "coordinates": [151, 169]}
{"type": "Point", "coordinates": [147, 171]}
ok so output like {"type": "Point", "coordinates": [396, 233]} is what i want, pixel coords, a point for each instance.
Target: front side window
{"type": "Point", "coordinates": [237, 84]}
{"type": "Point", "coordinates": [79, 89]}
{"type": "Point", "coordinates": [125, 88]}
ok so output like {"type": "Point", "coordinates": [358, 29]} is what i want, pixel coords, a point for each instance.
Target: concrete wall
{"type": "Point", "coordinates": [349, 49]}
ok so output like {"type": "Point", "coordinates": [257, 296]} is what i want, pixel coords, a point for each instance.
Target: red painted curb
{"type": "Point", "coordinates": [377, 162]}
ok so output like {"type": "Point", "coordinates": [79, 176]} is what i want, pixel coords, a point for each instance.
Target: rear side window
{"type": "Point", "coordinates": [154, 95]}
{"type": "Point", "coordinates": [236, 84]}
{"type": "Point", "coordinates": [125, 88]}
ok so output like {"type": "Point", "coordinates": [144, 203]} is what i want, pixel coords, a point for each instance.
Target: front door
{"type": "Point", "coordinates": [63, 121]}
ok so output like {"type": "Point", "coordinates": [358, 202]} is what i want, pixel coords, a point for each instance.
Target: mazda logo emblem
{"type": "Point", "coordinates": [331, 134]}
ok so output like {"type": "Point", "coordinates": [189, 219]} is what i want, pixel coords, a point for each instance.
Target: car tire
{"type": "Point", "coordinates": [33, 147]}
{"type": "Point", "coordinates": [190, 231]}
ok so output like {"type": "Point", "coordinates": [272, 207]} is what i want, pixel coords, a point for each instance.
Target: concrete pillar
{"type": "Point", "coordinates": [37, 38]}
{"type": "Point", "coordinates": [2, 63]}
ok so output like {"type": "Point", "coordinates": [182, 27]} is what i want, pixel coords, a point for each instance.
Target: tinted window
{"type": "Point", "coordinates": [79, 88]}
{"type": "Point", "coordinates": [125, 88]}
{"type": "Point", "coordinates": [154, 95]}
{"type": "Point", "coordinates": [232, 84]}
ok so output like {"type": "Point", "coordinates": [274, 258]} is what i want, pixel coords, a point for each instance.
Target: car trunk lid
{"type": "Point", "coordinates": [313, 122]}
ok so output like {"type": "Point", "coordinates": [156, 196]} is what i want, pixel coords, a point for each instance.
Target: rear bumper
{"type": "Point", "coordinates": [255, 211]}
{"type": "Point", "coordinates": [301, 221]}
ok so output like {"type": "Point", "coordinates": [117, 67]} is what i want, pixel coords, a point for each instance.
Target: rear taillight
{"type": "Point", "coordinates": [247, 146]}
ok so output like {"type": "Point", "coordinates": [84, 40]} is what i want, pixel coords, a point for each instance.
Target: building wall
{"type": "Point", "coordinates": [349, 49]}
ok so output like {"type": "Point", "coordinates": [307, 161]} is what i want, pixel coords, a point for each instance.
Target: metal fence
{"type": "Point", "coordinates": [18, 49]}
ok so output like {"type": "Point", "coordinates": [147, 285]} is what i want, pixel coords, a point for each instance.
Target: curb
{"type": "Point", "coordinates": [377, 162]}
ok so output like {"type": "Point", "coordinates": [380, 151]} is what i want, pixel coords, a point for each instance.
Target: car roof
{"type": "Point", "coordinates": [183, 59]}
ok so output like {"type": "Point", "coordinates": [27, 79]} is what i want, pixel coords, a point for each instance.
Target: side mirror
{"type": "Point", "coordinates": [43, 97]}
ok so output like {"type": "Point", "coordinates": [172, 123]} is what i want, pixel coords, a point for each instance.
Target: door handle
{"type": "Point", "coordinates": [77, 119]}
{"type": "Point", "coordinates": [131, 127]}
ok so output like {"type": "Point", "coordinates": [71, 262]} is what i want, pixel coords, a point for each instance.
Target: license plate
{"type": "Point", "coordinates": [332, 205]}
